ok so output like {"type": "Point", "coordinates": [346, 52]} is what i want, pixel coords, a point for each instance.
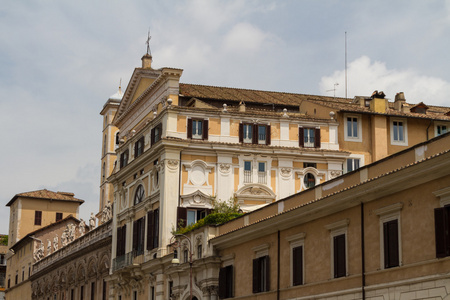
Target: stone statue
{"type": "Point", "coordinates": [49, 247]}
{"type": "Point", "coordinates": [65, 237]}
{"type": "Point", "coordinates": [92, 221]}
{"type": "Point", "coordinates": [55, 243]}
{"type": "Point", "coordinates": [39, 252]}
{"type": "Point", "coordinates": [107, 212]}
{"type": "Point", "coordinates": [71, 228]}
{"type": "Point", "coordinates": [82, 227]}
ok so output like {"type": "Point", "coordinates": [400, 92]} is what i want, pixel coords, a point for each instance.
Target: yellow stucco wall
{"type": "Point", "coordinates": [214, 126]}
{"type": "Point", "coordinates": [143, 84]}
{"type": "Point", "coordinates": [181, 124]}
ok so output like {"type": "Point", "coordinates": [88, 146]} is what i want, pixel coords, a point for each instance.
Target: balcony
{"type": "Point", "coordinates": [123, 261]}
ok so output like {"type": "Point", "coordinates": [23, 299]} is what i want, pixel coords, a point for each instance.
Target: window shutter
{"type": "Point", "coordinates": [222, 283]}
{"type": "Point", "coordinates": [135, 235]}
{"type": "Point", "coordinates": [181, 216]}
{"type": "Point", "coordinates": [441, 225]}
{"type": "Point", "coordinates": [152, 137]}
{"type": "Point", "coordinates": [297, 265]}
{"type": "Point", "coordinates": [339, 256]}
{"type": "Point", "coordinates": [301, 137]}
{"type": "Point", "coordinates": [136, 149]}
{"type": "Point", "coordinates": [124, 238]}
{"type": "Point", "coordinates": [205, 129]}
{"type": "Point", "coordinates": [156, 228]}
{"type": "Point", "coordinates": [241, 133]}
{"type": "Point", "coordinates": [229, 281]}
{"type": "Point", "coordinates": [189, 128]}
{"type": "Point", "coordinates": [160, 131]}
{"type": "Point", "coordinates": [268, 135]}
{"type": "Point", "coordinates": [256, 275]}
{"type": "Point", "coordinates": [149, 230]}
{"type": "Point", "coordinates": [255, 134]}
{"type": "Point", "coordinates": [317, 138]}
{"type": "Point", "coordinates": [267, 260]}
{"type": "Point", "coordinates": [119, 241]}
{"type": "Point", "coordinates": [390, 231]}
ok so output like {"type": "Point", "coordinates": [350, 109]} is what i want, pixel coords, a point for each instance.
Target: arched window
{"type": "Point", "coordinates": [140, 194]}
{"type": "Point", "coordinates": [104, 145]}
{"type": "Point", "coordinates": [309, 180]}
{"type": "Point", "coordinates": [103, 172]}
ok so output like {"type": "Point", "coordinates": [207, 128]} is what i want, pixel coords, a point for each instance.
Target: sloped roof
{"type": "Point", "coordinates": [49, 195]}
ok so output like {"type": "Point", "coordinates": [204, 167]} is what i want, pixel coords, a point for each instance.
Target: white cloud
{"type": "Point", "coordinates": [244, 38]}
{"type": "Point", "coordinates": [365, 76]}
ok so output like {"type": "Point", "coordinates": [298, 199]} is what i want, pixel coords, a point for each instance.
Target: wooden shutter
{"type": "Point", "coordinates": [136, 149]}
{"type": "Point", "coordinates": [267, 277]}
{"type": "Point", "coordinates": [256, 275]}
{"type": "Point", "coordinates": [119, 241]}
{"type": "Point", "coordinates": [317, 138]}
{"type": "Point", "coordinates": [241, 133]}
{"type": "Point", "coordinates": [255, 134]}
{"type": "Point", "coordinates": [149, 230]}
{"type": "Point", "coordinates": [222, 283]}
{"type": "Point", "coordinates": [268, 133]}
{"type": "Point", "coordinates": [205, 129]}
{"type": "Point", "coordinates": [301, 137]}
{"type": "Point", "coordinates": [390, 233]}
{"type": "Point", "coordinates": [339, 256]}
{"type": "Point", "coordinates": [181, 217]}
{"type": "Point", "coordinates": [156, 228]}
{"type": "Point", "coordinates": [135, 235]}
{"type": "Point", "coordinates": [441, 226]}
{"type": "Point", "coordinates": [297, 265]}
{"type": "Point", "coordinates": [152, 137]}
{"type": "Point", "coordinates": [189, 128]}
{"type": "Point", "coordinates": [229, 278]}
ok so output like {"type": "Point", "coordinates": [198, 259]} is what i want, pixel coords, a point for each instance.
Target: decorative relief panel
{"type": "Point", "coordinates": [198, 173]}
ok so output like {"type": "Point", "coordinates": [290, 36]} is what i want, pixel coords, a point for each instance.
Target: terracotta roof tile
{"type": "Point", "coordinates": [46, 194]}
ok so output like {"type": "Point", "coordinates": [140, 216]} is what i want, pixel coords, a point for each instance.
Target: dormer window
{"type": "Point", "coordinates": [420, 108]}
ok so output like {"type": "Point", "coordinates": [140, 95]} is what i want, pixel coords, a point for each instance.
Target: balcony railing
{"type": "Point", "coordinates": [123, 261]}
{"type": "Point", "coordinates": [262, 178]}
{"type": "Point", "coordinates": [247, 176]}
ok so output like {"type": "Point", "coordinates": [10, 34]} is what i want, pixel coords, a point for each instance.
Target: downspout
{"type": "Point", "coordinates": [428, 128]}
{"type": "Point", "coordinates": [278, 267]}
{"type": "Point", "coordinates": [363, 266]}
{"type": "Point", "coordinates": [179, 186]}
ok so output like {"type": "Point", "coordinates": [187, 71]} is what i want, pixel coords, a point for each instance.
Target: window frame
{"type": "Point", "coordinates": [337, 229]}
{"type": "Point", "coordinates": [139, 194]}
{"type": "Point", "coordinates": [190, 129]}
{"type": "Point", "coordinates": [38, 217]}
{"type": "Point", "coordinates": [124, 157]}
{"type": "Point", "coordinates": [261, 278]}
{"type": "Point", "coordinates": [386, 214]}
{"type": "Point", "coordinates": [438, 126]}
{"type": "Point", "coordinates": [59, 216]}
{"type": "Point", "coordinates": [226, 282]}
{"type": "Point", "coordinates": [302, 135]}
{"type": "Point", "coordinates": [352, 138]}
{"type": "Point", "coordinates": [255, 128]}
{"type": "Point", "coordinates": [404, 122]}
{"type": "Point", "coordinates": [296, 241]}
{"type": "Point", "coordinates": [139, 147]}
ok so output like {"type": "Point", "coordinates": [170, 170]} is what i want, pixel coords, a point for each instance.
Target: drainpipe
{"type": "Point", "coordinates": [428, 128]}
{"type": "Point", "coordinates": [363, 266]}
{"type": "Point", "coordinates": [278, 267]}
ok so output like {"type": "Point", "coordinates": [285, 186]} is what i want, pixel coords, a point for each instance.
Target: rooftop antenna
{"type": "Point", "coordinates": [148, 43]}
{"type": "Point", "coordinates": [346, 64]}
{"type": "Point", "coordinates": [334, 89]}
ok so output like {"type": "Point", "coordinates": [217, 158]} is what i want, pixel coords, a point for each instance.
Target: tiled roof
{"type": "Point", "coordinates": [46, 194]}
{"type": "Point", "coordinates": [292, 99]}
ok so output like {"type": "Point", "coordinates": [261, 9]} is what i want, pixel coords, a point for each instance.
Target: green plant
{"type": "Point", "coordinates": [4, 240]}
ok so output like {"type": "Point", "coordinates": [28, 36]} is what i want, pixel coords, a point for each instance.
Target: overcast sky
{"type": "Point", "coordinates": [61, 60]}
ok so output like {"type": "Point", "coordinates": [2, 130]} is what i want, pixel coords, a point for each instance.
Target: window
{"type": "Point", "coordinates": [124, 158]}
{"type": "Point", "coordinates": [199, 251]}
{"type": "Point", "coordinates": [352, 164]}
{"type": "Point", "coordinates": [59, 216]}
{"type": "Point", "coordinates": [104, 145]}
{"type": "Point", "coordinates": [309, 165]}
{"type": "Point", "coordinates": [117, 139]}
{"type": "Point", "coordinates": [261, 274]}
{"type": "Point", "coordinates": [153, 229]}
{"type": "Point", "coordinates": [37, 217]}
{"type": "Point", "coordinates": [170, 288]}
{"type": "Point", "coordinates": [297, 265]}
{"type": "Point", "coordinates": [309, 180]}
{"type": "Point", "coordinates": [390, 234]}
{"type": "Point", "coordinates": [121, 240]}
{"type": "Point", "coordinates": [352, 128]}
{"type": "Point", "coordinates": [103, 172]}
{"type": "Point", "coordinates": [138, 236]}
{"type": "Point", "coordinates": [262, 178]}
{"type": "Point", "coordinates": [155, 134]}
{"type": "Point", "coordinates": [139, 147]}
{"type": "Point", "coordinates": [135, 296]}
{"type": "Point", "coordinates": [104, 290]}
{"type": "Point", "coordinates": [399, 132]}
{"type": "Point", "coordinates": [254, 134]}
{"type": "Point", "coordinates": [226, 282]}
{"type": "Point", "coordinates": [139, 195]}
{"type": "Point", "coordinates": [441, 129]}
{"type": "Point", "coordinates": [93, 291]}
{"type": "Point", "coordinates": [188, 216]}
{"type": "Point", "coordinates": [309, 137]}
{"type": "Point", "coordinates": [82, 292]}
{"type": "Point", "coordinates": [339, 256]}
{"type": "Point", "coordinates": [442, 231]}
{"type": "Point", "coordinates": [185, 255]}
{"type": "Point", "coordinates": [247, 171]}
{"type": "Point", "coordinates": [197, 129]}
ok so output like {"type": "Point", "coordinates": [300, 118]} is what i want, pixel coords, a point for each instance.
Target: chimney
{"type": "Point", "coordinates": [378, 103]}
{"type": "Point", "coordinates": [242, 106]}
{"type": "Point", "coordinates": [399, 101]}
{"type": "Point", "coordinates": [146, 61]}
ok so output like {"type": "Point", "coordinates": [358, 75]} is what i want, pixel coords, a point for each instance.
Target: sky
{"type": "Point", "coordinates": [61, 60]}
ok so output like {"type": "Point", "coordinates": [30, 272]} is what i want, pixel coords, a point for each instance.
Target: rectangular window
{"type": "Point", "coordinates": [124, 158]}
{"type": "Point", "coordinates": [441, 129]}
{"type": "Point", "coordinates": [93, 291]}
{"type": "Point", "coordinates": [297, 265]}
{"type": "Point", "coordinates": [197, 129]}
{"type": "Point", "coordinates": [262, 134]}
{"type": "Point", "coordinates": [442, 231]}
{"type": "Point", "coordinates": [72, 294]}
{"type": "Point", "coordinates": [247, 171]}
{"type": "Point", "coordinates": [262, 177]}
{"type": "Point", "coordinates": [254, 134]}
{"type": "Point", "coordinates": [199, 251]}
{"type": "Point", "coordinates": [352, 127]}
{"type": "Point", "coordinates": [261, 274]}
{"type": "Point", "coordinates": [59, 217]}
{"type": "Point", "coordinates": [170, 288]}
{"type": "Point", "coordinates": [82, 292]}
{"type": "Point", "coordinates": [248, 133]}
{"type": "Point", "coordinates": [37, 217]}
{"type": "Point", "coordinates": [139, 147]}
{"type": "Point", "coordinates": [309, 137]}
{"type": "Point", "coordinates": [138, 236]}
{"type": "Point", "coordinates": [226, 282]}
{"type": "Point", "coordinates": [391, 246]}
{"type": "Point", "coordinates": [155, 134]}
{"type": "Point", "coordinates": [352, 164]}
{"type": "Point", "coordinates": [339, 256]}
{"type": "Point", "coordinates": [191, 217]}
{"type": "Point", "coordinates": [121, 240]}
{"type": "Point", "coordinates": [398, 131]}
{"type": "Point", "coordinates": [135, 296]}
{"type": "Point", "coordinates": [104, 290]}
{"type": "Point", "coordinates": [152, 293]}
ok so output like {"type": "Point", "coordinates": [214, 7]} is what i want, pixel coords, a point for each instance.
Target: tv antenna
{"type": "Point", "coordinates": [334, 89]}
